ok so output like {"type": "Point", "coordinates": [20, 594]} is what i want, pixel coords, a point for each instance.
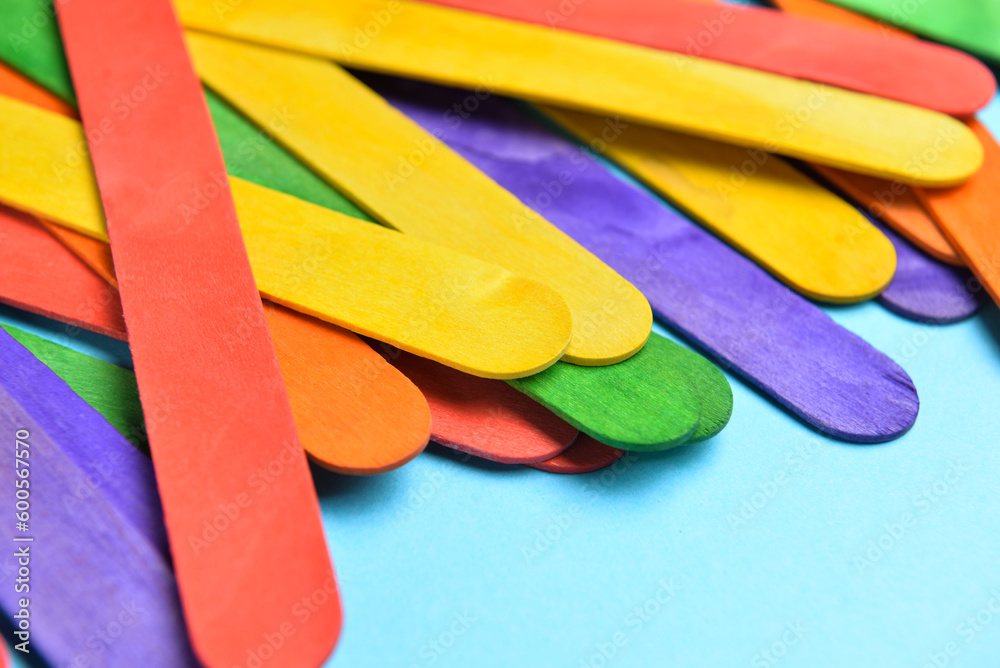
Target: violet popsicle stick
{"type": "Point", "coordinates": [749, 322]}
{"type": "Point", "coordinates": [108, 462]}
{"type": "Point", "coordinates": [93, 572]}
{"type": "Point", "coordinates": [926, 290]}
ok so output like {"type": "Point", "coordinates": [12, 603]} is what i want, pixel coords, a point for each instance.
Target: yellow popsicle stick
{"type": "Point", "coordinates": [432, 301]}
{"type": "Point", "coordinates": [406, 178]}
{"type": "Point", "coordinates": [716, 100]}
{"type": "Point", "coordinates": [803, 234]}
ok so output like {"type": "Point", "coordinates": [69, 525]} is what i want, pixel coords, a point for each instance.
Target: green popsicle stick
{"type": "Point", "coordinates": [631, 405]}
{"type": "Point", "coordinates": [637, 404]}
{"type": "Point", "coordinates": [972, 25]}
{"type": "Point", "coordinates": [109, 389]}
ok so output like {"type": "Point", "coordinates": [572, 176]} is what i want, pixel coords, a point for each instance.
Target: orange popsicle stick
{"type": "Point", "coordinates": [15, 84]}
{"type": "Point", "coordinates": [969, 214]}
{"type": "Point", "coordinates": [825, 12]}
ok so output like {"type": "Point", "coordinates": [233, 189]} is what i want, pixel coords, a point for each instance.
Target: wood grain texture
{"type": "Point", "coordinates": [972, 25]}
{"type": "Point", "coordinates": [586, 455]}
{"type": "Point", "coordinates": [929, 291]}
{"type": "Point", "coordinates": [204, 361]}
{"type": "Point", "coordinates": [483, 417]}
{"type": "Point", "coordinates": [17, 85]}
{"type": "Point", "coordinates": [968, 215]}
{"type": "Point", "coordinates": [807, 237]}
{"type": "Point", "coordinates": [918, 73]}
{"type": "Point", "coordinates": [108, 389]}
{"type": "Point", "coordinates": [355, 413]}
{"type": "Point", "coordinates": [410, 181]}
{"type": "Point", "coordinates": [895, 204]}
{"type": "Point", "coordinates": [426, 299]}
{"type": "Point", "coordinates": [748, 322]}
{"type": "Point", "coordinates": [96, 559]}
{"type": "Point", "coordinates": [669, 90]}
{"type": "Point", "coordinates": [891, 201]}
{"type": "Point", "coordinates": [38, 274]}
{"type": "Point", "coordinates": [669, 400]}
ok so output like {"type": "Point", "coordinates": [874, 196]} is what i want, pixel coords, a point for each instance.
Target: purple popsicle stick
{"type": "Point", "coordinates": [101, 592]}
{"type": "Point", "coordinates": [749, 322]}
{"type": "Point", "coordinates": [926, 290]}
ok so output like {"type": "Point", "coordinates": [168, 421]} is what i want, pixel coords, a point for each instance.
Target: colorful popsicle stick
{"type": "Point", "coordinates": [639, 381]}
{"type": "Point", "coordinates": [39, 275]}
{"type": "Point", "coordinates": [411, 182]}
{"type": "Point", "coordinates": [895, 204]}
{"type": "Point", "coordinates": [102, 567]}
{"type": "Point", "coordinates": [584, 456]}
{"type": "Point", "coordinates": [415, 295]}
{"type": "Point", "coordinates": [107, 388]}
{"type": "Point", "coordinates": [918, 73]}
{"type": "Point", "coordinates": [750, 323]}
{"type": "Point", "coordinates": [14, 84]}
{"type": "Point", "coordinates": [32, 45]}
{"type": "Point", "coordinates": [239, 134]}
{"type": "Point", "coordinates": [200, 344]}
{"type": "Point", "coordinates": [803, 234]}
{"type": "Point", "coordinates": [801, 119]}
{"type": "Point", "coordinates": [968, 215]}
{"type": "Point", "coordinates": [823, 11]}
{"type": "Point", "coordinates": [484, 417]}
{"type": "Point", "coordinates": [929, 291]}
{"type": "Point", "coordinates": [972, 25]}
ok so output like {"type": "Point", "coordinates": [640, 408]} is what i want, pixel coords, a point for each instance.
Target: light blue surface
{"type": "Point", "coordinates": [445, 562]}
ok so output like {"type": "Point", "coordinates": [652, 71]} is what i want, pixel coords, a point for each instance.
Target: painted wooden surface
{"type": "Point", "coordinates": [919, 73]}
{"type": "Point", "coordinates": [760, 204]}
{"type": "Point", "coordinates": [204, 362]}
{"type": "Point", "coordinates": [38, 274]}
{"type": "Point", "coordinates": [483, 417]}
{"type": "Point", "coordinates": [584, 456]}
{"type": "Point", "coordinates": [898, 206]}
{"type": "Point", "coordinates": [844, 129]}
{"type": "Point", "coordinates": [410, 181]}
{"type": "Point", "coordinates": [748, 322]}
{"type": "Point", "coordinates": [968, 216]}
{"type": "Point", "coordinates": [17, 85]}
{"type": "Point", "coordinates": [102, 561]}
{"type": "Point", "coordinates": [972, 25]}
{"type": "Point", "coordinates": [303, 255]}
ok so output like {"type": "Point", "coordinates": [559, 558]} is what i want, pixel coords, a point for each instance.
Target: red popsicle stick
{"type": "Point", "coordinates": [483, 417]}
{"type": "Point", "coordinates": [919, 73]}
{"type": "Point", "coordinates": [240, 508]}
{"type": "Point", "coordinates": [38, 274]}
{"type": "Point", "coordinates": [584, 456]}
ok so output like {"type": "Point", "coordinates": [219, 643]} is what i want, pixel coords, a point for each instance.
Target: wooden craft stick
{"type": "Point", "coordinates": [33, 46]}
{"type": "Point", "coordinates": [918, 73]}
{"type": "Point", "coordinates": [892, 202]}
{"type": "Point", "coordinates": [972, 25]}
{"type": "Point", "coordinates": [968, 215]}
{"type": "Point", "coordinates": [17, 85]}
{"type": "Point", "coordinates": [199, 340]}
{"type": "Point", "coordinates": [430, 300]}
{"type": "Point", "coordinates": [929, 291]}
{"type": "Point", "coordinates": [896, 205]}
{"type": "Point", "coordinates": [39, 275]}
{"type": "Point", "coordinates": [409, 181]}
{"type": "Point", "coordinates": [823, 11]}
{"type": "Point", "coordinates": [107, 388]}
{"type": "Point", "coordinates": [800, 119]}
{"type": "Point", "coordinates": [715, 297]}
{"type": "Point", "coordinates": [103, 571]}
{"type": "Point", "coordinates": [636, 420]}
{"type": "Point", "coordinates": [584, 456]}
{"type": "Point", "coordinates": [800, 232]}
{"type": "Point", "coordinates": [485, 418]}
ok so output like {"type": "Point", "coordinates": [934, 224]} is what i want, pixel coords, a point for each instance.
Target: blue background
{"type": "Point", "coordinates": [457, 562]}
